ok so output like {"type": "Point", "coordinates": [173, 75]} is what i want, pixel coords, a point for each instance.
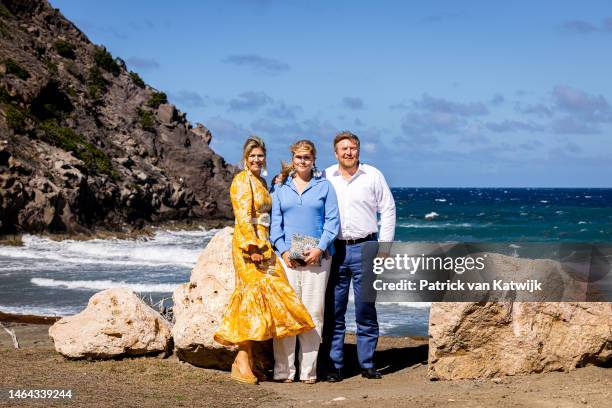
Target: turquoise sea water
{"type": "Point", "coordinates": [504, 215]}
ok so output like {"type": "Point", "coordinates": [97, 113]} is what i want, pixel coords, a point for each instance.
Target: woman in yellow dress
{"type": "Point", "coordinates": [263, 304]}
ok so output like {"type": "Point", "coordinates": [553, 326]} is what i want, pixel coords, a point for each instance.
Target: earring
{"type": "Point", "coordinates": [264, 169]}
{"type": "Point", "coordinates": [316, 172]}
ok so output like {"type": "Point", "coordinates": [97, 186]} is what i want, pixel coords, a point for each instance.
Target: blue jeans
{"type": "Point", "coordinates": [351, 262]}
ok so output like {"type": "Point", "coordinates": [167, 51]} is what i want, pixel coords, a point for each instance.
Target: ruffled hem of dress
{"type": "Point", "coordinates": [254, 306]}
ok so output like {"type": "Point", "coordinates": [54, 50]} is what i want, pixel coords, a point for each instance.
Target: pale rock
{"type": "Point", "coordinates": [492, 339]}
{"type": "Point", "coordinates": [201, 131]}
{"type": "Point", "coordinates": [141, 176]}
{"type": "Point", "coordinates": [114, 323]}
{"type": "Point", "coordinates": [166, 113]}
{"type": "Point", "coordinates": [125, 161]}
{"type": "Point", "coordinates": [200, 304]}
{"type": "Point", "coordinates": [14, 163]}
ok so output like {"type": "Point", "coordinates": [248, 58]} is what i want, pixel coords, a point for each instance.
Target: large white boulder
{"type": "Point", "coordinates": [474, 340]}
{"type": "Point", "coordinates": [200, 304]}
{"type": "Point", "coordinates": [488, 339]}
{"type": "Point", "coordinates": [115, 323]}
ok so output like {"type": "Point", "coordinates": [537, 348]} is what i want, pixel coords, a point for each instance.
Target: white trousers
{"type": "Point", "coordinates": [309, 283]}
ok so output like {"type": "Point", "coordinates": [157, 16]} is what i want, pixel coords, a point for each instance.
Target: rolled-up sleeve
{"type": "Point", "coordinates": [331, 225]}
{"type": "Point", "coordinates": [277, 232]}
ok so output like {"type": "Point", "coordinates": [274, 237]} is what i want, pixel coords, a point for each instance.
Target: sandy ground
{"type": "Point", "coordinates": [153, 382]}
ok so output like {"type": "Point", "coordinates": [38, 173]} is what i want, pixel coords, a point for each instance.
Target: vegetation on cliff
{"type": "Point", "coordinates": [85, 143]}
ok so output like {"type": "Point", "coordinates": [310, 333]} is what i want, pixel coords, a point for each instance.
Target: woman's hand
{"type": "Point", "coordinates": [313, 256]}
{"type": "Point", "coordinates": [255, 255]}
{"type": "Point", "coordinates": [257, 258]}
{"type": "Point", "coordinates": [289, 262]}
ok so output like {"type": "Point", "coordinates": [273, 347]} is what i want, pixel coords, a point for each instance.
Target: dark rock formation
{"type": "Point", "coordinates": [86, 144]}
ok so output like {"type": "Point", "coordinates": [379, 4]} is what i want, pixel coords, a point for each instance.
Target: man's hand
{"type": "Point", "coordinates": [289, 262]}
{"type": "Point", "coordinates": [313, 256]}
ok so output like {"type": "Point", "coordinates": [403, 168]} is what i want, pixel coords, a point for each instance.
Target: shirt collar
{"type": "Point", "coordinates": [361, 169]}
{"type": "Point", "coordinates": [313, 181]}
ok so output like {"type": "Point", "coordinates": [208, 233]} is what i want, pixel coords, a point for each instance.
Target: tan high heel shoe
{"type": "Point", "coordinates": [237, 376]}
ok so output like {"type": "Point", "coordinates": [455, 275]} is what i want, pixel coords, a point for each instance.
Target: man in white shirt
{"type": "Point", "coordinates": [362, 194]}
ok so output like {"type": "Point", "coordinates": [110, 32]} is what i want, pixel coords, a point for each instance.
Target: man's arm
{"type": "Point", "coordinates": [386, 208]}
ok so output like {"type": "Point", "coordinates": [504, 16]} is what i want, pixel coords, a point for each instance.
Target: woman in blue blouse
{"type": "Point", "coordinates": [304, 203]}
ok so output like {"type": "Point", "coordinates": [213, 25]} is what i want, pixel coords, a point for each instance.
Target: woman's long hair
{"type": "Point", "coordinates": [251, 143]}
{"type": "Point", "coordinates": [287, 168]}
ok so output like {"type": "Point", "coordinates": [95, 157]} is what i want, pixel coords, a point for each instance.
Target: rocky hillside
{"type": "Point", "coordinates": [85, 144]}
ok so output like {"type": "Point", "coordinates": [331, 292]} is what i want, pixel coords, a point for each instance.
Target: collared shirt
{"type": "Point", "coordinates": [360, 199]}
{"type": "Point", "coordinates": [314, 212]}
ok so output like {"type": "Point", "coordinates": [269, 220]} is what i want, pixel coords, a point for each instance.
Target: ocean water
{"type": "Point", "coordinates": [46, 277]}
{"type": "Point", "coordinates": [504, 214]}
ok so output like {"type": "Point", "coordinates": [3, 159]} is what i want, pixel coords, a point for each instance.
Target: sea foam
{"type": "Point", "coordinates": [105, 284]}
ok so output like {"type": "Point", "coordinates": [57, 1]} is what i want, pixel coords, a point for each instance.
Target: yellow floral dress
{"type": "Point", "coordinates": [263, 304]}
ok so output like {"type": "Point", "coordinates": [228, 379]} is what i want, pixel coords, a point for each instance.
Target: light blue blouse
{"type": "Point", "coordinates": [313, 213]}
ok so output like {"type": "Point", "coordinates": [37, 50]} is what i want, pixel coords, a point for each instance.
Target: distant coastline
{"type": "Point", "coordinates": [128, 233]}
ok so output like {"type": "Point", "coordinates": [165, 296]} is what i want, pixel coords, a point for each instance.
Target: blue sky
{"type": "Point", "coordinates": [441, 93]}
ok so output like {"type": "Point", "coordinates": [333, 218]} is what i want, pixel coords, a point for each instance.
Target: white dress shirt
{"type": "Point", "coordinates": [359, 201]}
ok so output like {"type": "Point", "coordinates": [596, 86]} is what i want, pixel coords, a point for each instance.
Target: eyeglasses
{"type": "Point", "coordinates": [306, 159]}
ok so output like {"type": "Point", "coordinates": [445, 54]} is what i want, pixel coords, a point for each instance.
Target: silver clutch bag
{"type": "Point", "coordinates": [300, 243]}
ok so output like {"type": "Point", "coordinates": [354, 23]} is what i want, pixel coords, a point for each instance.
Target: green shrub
{"type": "Point", "coordinates": [52, 67]}
{"type": "Point", "coordinates": [97, 85]}
{"type": "Point", "coordinates": [105, 60]}
{"type": "Point", "coordinates": [51, 103]}
{"type": "Point", "coordinates": [16, 119]}
{"type": "Point", "coordinates": [157, 99]}
{"type": "Point", "coordinates": [121, 63]}
{"type": "Point", "coordinates": [73, 69]}
{"type": "Point", "coordinates": [41, 50]}
{"type": "Point", "coordinates": [4, 95]}
{"type": "Point", "coordinates": [4, 12]}
{"type": "Point", "coordinates": [4, 30]}
{"type": "Point", "coordinates": [14, 68]}
{"type": "Point", "coordinates": [67, 139]}
{"type": "Point", "coordinates": [137, 79]}
{"type": "Point", "coordinates": [65, 49]}
{"type": "Point", "coordinates": [147, 121]}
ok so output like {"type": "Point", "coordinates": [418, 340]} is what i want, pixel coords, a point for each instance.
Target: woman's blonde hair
{"type": "Point", "coordinates": [251, 143]}
{"type": "Point", "coordinates": [287, 168]}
